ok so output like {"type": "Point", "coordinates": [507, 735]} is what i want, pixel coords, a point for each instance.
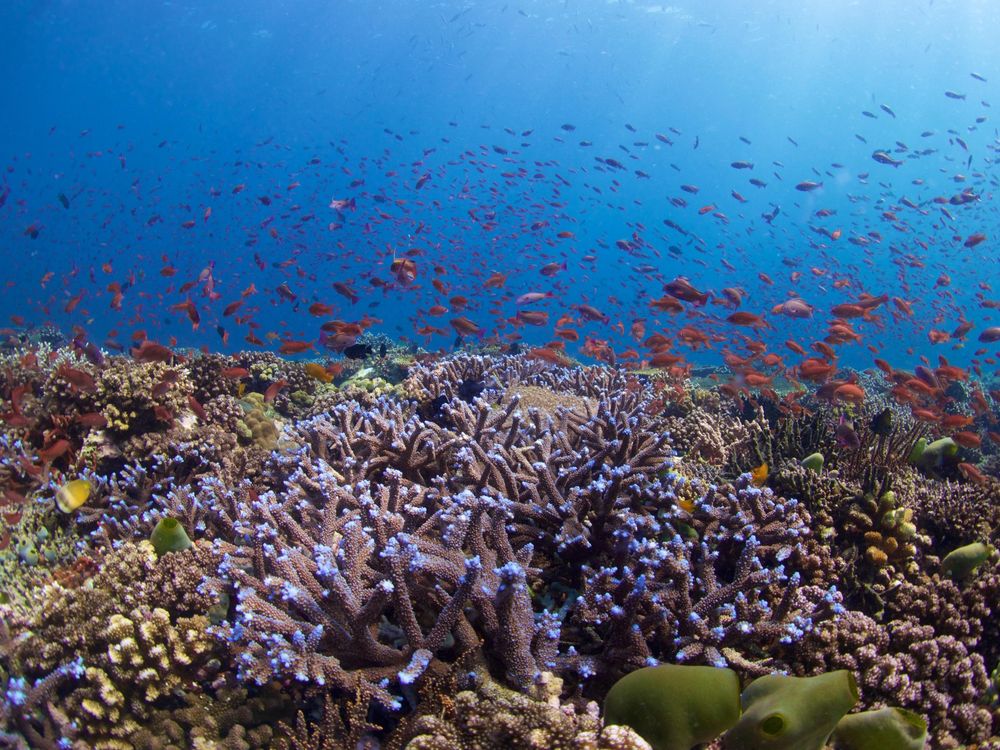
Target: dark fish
{"type": "Point", "coordinates": [470, 388]}
{"type": "Point", "coordinates": [954, 95]}
{"type": "Point", "coordinates": [64, 200]}
{"type": "Point", "coordinates": [990, 335]}
{"type": "Point", "coordinates": [881, 423]}
{"type": "Point", "coordinates": [887, 110]}
{"type": "Point", "coordinates": [966, 196]}
{"type": "Point", "coordinates": [978, 77]}
{"type": "Point", "coordinates": [89, 350]}
{"type": "Point", "coordinates": [568, 127]}
{"type": "Point", "coordinates": [742, 165]}
{"type": "Point", "coordinates": [845, 435]}
{"type": "Point", "coordinates": [872, 115]}
{"type": "Point", "coordinates": [758, 183]}
{"type": "Point", "coordinates": [807, 186]}
{"type": "Point", "coordinates": [357, 351]}
{"type": "Point", "coordinates": [883, 158]}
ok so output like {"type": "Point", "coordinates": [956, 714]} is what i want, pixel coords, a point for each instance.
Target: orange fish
{"type": "Point", "coordinates": [318, 372]}
{"type": "Point", "coordinates": [758, 475]}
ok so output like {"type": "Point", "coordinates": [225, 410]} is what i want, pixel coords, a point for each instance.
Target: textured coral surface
{"type": "Point", "coordinates": [464, 552]}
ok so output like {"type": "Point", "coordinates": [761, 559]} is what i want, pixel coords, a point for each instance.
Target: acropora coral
{"type": "Point", "coordinates": [467, 552]}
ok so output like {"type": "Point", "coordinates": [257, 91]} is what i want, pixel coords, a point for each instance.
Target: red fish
{"type": "Point", "coordinates": [294, 347]}
{"type": "Point", "coordinates": [72, 304]}
{"type": "Point", "coordinates": [345, 291]}
{"type": "Point", "coordinates": [405, 270]}
{"type": "Point", "coordinates": [320, 310]}
{"type": "Point", "coordinates": [990, 335]}
{"type": "Point", "coordinates": [465, 327]}
{"type": "Point", "coordinates": [748, 319]}
{"type": "Point", "coordinates": [531, 297]}
{"type": "Point", "coordinates": [150, 351]}
{"type": "Point", "coordinates": [80, 380]}
{"type": "Point", "coordinates": [54, 450]}
{"type": "Point", "coordinates": [272, 390]}
{"type": "Point", "coordinates": [551, 269]}
{"type": "Point", "coordinates": [682, 289]}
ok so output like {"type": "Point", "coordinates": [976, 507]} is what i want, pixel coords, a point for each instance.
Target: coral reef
{"type": "Point", "coordinates": [401, 550]}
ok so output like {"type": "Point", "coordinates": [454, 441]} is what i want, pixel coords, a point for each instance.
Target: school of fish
{"type": "Point", "coordinates": [536, 240]}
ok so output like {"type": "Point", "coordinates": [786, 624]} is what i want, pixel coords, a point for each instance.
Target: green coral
{"type": "Point", "coordinates": [169, 536]}
{"type": "Point", "coordinates": [960, 563]}
{"type": "Point", "coordinates": [675, 707]}
{"type": "Point", "coordinates": [679, 707]}
{"type": "Point", "coordinates": [884, 729]}
{"type": "Point", "coordinates": [792, 713]}
{"type": "Point", "coordinates": [813, 462]}
{"type": "Point", "coordinates": [303, 398]}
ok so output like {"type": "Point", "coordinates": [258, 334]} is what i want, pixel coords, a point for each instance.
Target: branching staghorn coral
{"type": "Point", "coordinates": [387, 541]}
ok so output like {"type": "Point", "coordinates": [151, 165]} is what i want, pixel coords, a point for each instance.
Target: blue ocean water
{"type": "Point", "coordinates": [486, 137]}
